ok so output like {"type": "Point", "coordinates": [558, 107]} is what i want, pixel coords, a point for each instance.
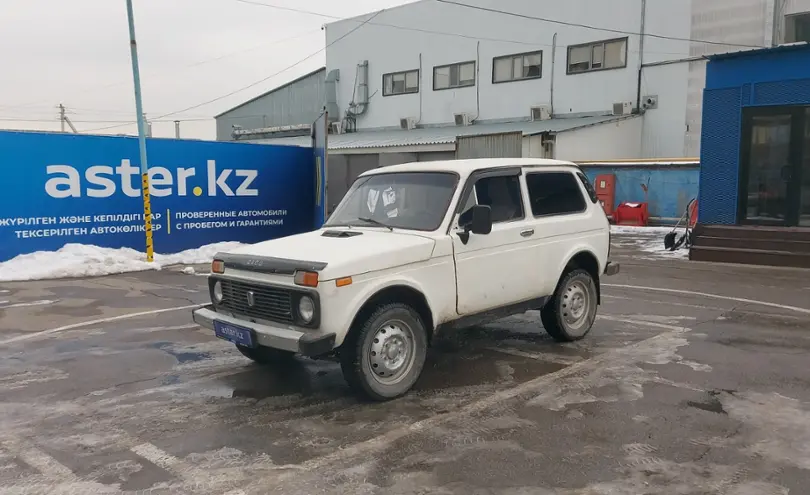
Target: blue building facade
{"type": "Point", "coordinates": [755, 143]}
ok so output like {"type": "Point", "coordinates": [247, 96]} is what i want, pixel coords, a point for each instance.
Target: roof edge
{"type": "Point", "coordinates": [290, 83]}
{"type": "Point", "coordinates": [787, 47]}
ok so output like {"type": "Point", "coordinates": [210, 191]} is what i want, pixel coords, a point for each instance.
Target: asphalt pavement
{"type": "Point", "coordinates": [694, 380]}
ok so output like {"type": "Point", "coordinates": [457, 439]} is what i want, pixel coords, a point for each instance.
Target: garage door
{"type": "Point", "coordinates": [434, 156]}
{"type": "Point", "coordinates": [501, 145]}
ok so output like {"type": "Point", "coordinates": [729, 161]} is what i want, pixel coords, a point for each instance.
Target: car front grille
{"type": "Point", "coordinates": [269, 303]}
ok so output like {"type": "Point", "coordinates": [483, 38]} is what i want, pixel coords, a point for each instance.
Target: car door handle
{"type": "Point", "coordinates": [527, 233]}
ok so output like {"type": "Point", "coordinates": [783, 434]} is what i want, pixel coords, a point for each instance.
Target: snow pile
{"type": "Point", "coordinates": [643, 231]}
{"type": "Point", "coordinates": [648, 240]}
{"type": "Point", "coordinates": [80, 260]}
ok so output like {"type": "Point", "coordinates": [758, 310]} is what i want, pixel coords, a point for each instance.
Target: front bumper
{"type": "Point", "coordinates": [309, 343]}
{"type": "Point", "coordinates": [611, 268]}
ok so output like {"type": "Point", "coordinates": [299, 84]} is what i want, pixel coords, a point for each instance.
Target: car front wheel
{"type": "Point", "coordinates": [384, 355]}
{"type": "Point", "coordinates": [570, 314]}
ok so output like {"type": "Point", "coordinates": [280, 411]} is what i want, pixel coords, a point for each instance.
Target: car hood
{"type": "Point", "coordinates": [360, 251]}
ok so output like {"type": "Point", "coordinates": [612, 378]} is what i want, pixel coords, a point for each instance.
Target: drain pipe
{"type": "Point", "coordinates": [477, 81]}
{"type": "Point", "coordinates": [553, 58]}
{"type": "Point", "coordinates": [641, 54]}
{"type": "Point", "coordinates": [421, 90]}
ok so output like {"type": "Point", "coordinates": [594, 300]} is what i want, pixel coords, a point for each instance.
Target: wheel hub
{"type": "Point", "coordinates": [391, 352]}
{"type": "Point", "coordinates": [576, 303]}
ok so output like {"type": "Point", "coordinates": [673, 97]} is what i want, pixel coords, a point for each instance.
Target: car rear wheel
{"type": "Point", "coordinates": [265, 355]}
{"type": "Point", "coordinates": [384, 355]}
{"type": "Point", "coordinates": [570, 314]}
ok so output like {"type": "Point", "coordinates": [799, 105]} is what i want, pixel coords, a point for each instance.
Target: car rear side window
{"type": "Point", "coordinates": [554, 193]}
{"type": "Point", "coordinates": [588, 187]}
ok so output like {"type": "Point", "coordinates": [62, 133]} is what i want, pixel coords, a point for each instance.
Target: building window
{"type": "Point", "coordinates": [517, 67]}
{"type": "Point", "coordinates": [401, 83]}
{"type": "Point", "coordinates": [797, 28]}
{"type": "Point", "coordinates": [554, 193]}
{"type": "Point", "coordinates": [601, 55]}
{"type": "Point", "coordinates": [451, 76]}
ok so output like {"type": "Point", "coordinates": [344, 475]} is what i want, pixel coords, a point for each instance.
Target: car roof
{"type": "Point", "coordinates": [468, 166]}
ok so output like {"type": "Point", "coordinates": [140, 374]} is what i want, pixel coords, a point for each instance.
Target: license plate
{"type": "Point", "coordinates": [235, 334]}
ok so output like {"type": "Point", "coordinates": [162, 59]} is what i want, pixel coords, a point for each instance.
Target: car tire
{"type": "Point", "coordinates": [384, 354]}
{"type": "Point", "coordinates": [570, 313]}
{"type": "Point", "coordinates": [265, 355]}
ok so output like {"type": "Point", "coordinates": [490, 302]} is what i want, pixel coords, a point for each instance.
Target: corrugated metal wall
{"type": "Point", "coordinates": [503, 145]}
{"type": "Point", "coordinates": [299, 102]}
{"type": "Point", "coordinates": [343, 170]}
{"type": "Point", "coordinates": [434, 156]}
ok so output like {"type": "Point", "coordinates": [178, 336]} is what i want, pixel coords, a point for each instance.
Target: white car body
{"type": "Point", "coordinates": [514, 268]}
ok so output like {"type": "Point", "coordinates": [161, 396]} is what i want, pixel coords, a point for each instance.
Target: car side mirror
{"type": "Point", "coordinates": [481, 223]}
{"type": "Point", "coordinates": [476, 220]}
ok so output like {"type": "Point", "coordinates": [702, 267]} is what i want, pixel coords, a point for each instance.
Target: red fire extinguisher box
{"type": "Point", "coordinates": [605, 185]}
{"type": "Point", "coordinates": [632, 214]}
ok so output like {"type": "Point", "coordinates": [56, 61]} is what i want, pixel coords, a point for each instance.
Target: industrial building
{"type": "Point", "coordinates": [288, 110]}
{"type": "Point", "coordinates": [580, 80]}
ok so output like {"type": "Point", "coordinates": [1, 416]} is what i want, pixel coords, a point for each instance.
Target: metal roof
{"type": "Point", "coordinates": [788, 47]}
{"type": "Point", "coordinates": [443, 135]}
{"type": "Point", "coordinates": [290, 83]}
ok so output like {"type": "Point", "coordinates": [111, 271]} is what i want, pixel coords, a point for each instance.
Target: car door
{"type": "Point", "coordinates": [491, 270]}
{"type": "Point", "coordinates": [562, 220]}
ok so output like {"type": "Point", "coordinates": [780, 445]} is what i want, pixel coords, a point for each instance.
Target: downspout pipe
{"type": "Point", "coordinates": [642, 35]}
{"type": "Point", "coordinates": [553, 58]}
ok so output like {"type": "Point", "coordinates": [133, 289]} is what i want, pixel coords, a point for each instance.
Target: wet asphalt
{"type": "Point", "coordinates": [695, 380]}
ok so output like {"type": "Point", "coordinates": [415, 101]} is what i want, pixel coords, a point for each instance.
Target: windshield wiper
{"type": "Point", "coordinates": [376, 222]}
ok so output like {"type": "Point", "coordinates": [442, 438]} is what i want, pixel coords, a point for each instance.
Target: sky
{"type": "Point", "coordinates": [76, 53]}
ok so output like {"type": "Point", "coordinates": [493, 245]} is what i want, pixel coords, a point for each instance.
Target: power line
{"type": "Point", "coordinates": [125, 122]}
{"type": "Point", "coordinates": [189, 66]}
{"type": "Point", "coordinates": [481, 38]}
{"type": "Point", "coordinates": [299, 62]}
{"type": "Point", "coordinates": [597, 28]}
{"type": "Point", "coordinates": [288, 9]}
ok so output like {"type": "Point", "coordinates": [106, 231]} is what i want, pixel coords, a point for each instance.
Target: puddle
{"type": "Point", "coordinates": [181, 356]}
{"type": "Point", "coordinates": [447, 369]}
{"type": "Point", "coordinates": [712, 404]}
{"type": "Point", "coordinates": [73, 346]}
{"type": "Point", "coordinates": [299, 377]}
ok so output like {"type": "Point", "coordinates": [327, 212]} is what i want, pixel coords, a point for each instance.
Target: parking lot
{"type": "Point", "coordinates": [694, 380]}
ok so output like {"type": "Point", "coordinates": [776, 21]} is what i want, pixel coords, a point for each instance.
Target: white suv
{"type": "Point", "coordinates": [412, 250]}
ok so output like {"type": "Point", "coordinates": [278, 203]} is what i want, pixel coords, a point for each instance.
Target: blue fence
{"type": "Point", "coordinates": [669, 187]}
{"type": "Point", "coordinates": [61, 188]}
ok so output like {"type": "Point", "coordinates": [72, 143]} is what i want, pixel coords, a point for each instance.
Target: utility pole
{"type": "Point", "coordinates": [177, 129]}
{"type": "Point", "coordinates": [65, 120]}
{"type": "Point", "coordinates": [136, 77]}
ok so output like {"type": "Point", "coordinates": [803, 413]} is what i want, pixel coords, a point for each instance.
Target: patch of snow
{"type": "Point", "coordinates": [81, 260]}
{"type": "Point", "coordinates": [43, 302]}
{"type": "Point", "coordinates": [189, 270]}
{"type": "Point", "coordinates": [648, 240]}
{"type": "Point", "coordinates": [628, 229]}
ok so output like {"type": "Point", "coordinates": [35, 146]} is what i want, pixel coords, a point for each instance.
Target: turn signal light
{"type": "Point", "coordinates": [218, 266]}
{"type": "Point", "coordinates": [306, 279]}
{"type": "Point", "coordinates": [343, 282]}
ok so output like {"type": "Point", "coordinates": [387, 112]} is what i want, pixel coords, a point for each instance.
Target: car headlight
{"type": "Point", "coordinates": [218, 292]}
{"type": "Point", "coordinates": [306, 309]}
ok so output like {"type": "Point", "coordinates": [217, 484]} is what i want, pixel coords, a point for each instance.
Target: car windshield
{"type": "Point", "coordinates": [402, 200]}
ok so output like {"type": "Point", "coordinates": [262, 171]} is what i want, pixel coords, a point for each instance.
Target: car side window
{"type": "Point", "coordinates": [502, 194]}
{"type": "Point", "coordinates": [554, 193]}
{"type": "Point", "coordinates": [588, 187]}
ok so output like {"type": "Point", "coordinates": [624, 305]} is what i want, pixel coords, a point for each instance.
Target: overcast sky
{"type": "Point", "coordinates": [76, 52]}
